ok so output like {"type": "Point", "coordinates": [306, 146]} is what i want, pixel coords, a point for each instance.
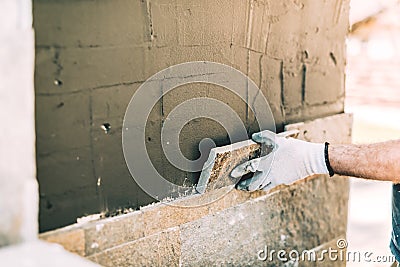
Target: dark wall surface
{"type": "Point", "coordinates": [91, 56]}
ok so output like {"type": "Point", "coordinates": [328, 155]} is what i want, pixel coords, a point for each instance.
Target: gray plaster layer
{"type": "Point", "coordinates": [91, 56]}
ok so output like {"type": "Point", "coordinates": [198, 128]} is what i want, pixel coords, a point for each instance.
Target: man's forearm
{"type": "Point", "coordinates": [380, 161]}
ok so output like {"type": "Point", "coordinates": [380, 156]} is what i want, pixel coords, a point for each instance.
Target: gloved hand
{"type": "Point", "coordinates": [289, 161]}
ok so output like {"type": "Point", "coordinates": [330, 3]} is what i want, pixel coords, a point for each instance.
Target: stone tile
{"type": "Point", "coordinates": [72, 240]}
{"type": "Point", "coordinates": [162, 249]}
{"type": "Point", "coordinates": [101, 235]}
{"type": "Point", "coordinates": [297, 217]}
{"type": "Point", "coordinates": [334, 129]}
{"type": "Point", "coordinates": [165, 216]}
{"type": "Point", "coordinates": [162, 216]}
{"type": "Point", "coordinates": [221, 162]}
{"type": "Point", "coordinates": [107, 233]}
{"type": "Point", "coordinates": [316, 111]}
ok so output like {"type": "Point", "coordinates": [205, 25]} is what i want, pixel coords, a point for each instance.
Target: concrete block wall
{"type": "Point", "coordinates": [308, 215]}
{"type": "Point", "coordinates": [91, 56]}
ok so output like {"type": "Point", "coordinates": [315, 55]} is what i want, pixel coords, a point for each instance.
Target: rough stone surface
{"type": "Point", "coordinates": [335, 129]}
{"type": "Point", "coordinates": [106, 234]}
{"type": "Point", "coordinates": [91, 56]}
{"type": "Point", "coordinates": [94, 237]}
{"type": "Point", "coordinates": [221, 162]}
{"type": "Point", "coordinates": [224, 226]}
{"type": "Point", "coordinates": [73, 241]}
{"type": "Point", "coordinates": [162, 249]}
{"type": "Point", "coordinates": [298, 217]}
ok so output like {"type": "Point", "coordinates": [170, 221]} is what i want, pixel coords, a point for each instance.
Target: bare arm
{"type": "Point", "coordinates": [380, 161]}
{"type": "Point", "coordinates": [295, 159]}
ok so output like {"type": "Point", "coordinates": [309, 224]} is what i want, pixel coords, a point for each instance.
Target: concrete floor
{"type": "Point", "coordinates": [373, 95]}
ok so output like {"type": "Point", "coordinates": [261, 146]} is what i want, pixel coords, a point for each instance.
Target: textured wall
{"type": "Point", "coordinates": [18, 186]}
{"type": "Point", "coordinates": [91, 56]}
{"type": "Point", "coordinates": [308, 215]}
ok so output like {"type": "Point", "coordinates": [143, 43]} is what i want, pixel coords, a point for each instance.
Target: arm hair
{"type": "Point", "coordinates": [379, 161]}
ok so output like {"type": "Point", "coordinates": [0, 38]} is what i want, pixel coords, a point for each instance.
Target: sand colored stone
{"type": "Point", "coordinates": [225, 226]}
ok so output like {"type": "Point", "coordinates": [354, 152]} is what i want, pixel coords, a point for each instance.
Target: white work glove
{"type": "Point", "coordinates": [289, 161]}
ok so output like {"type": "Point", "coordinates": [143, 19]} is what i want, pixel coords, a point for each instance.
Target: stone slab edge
{"type": "Point", "coordinates": [222, 160]}
{"type": "Point", "coordinates": [211, 173]}
{"type": "Point", "coordinates": [81, 247]}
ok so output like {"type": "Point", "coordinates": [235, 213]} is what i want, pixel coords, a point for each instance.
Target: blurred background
{"type": "Point", "coordinates": [88, 167]}
{"type": "Point", "coordinates": [373, 95]}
